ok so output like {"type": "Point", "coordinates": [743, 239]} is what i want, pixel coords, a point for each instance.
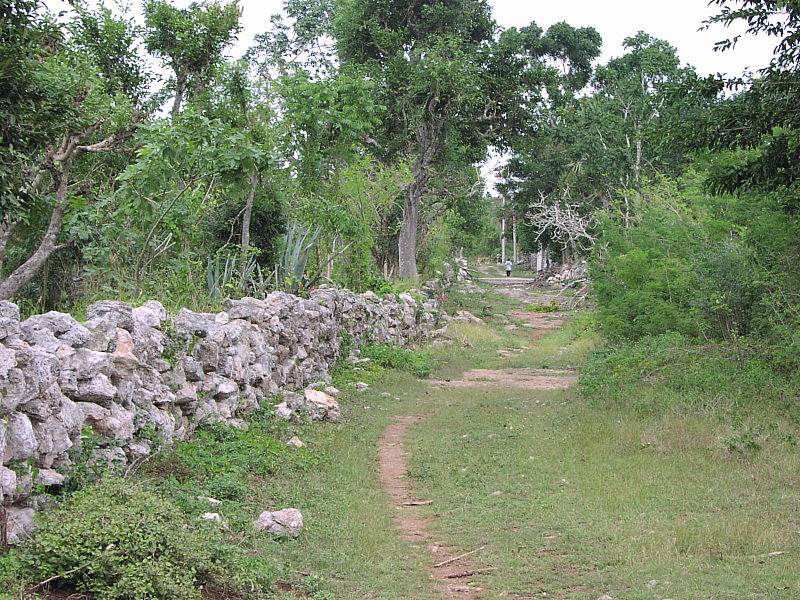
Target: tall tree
{"type": "Point", "coordinates": [56, 113]}
{"type": "Point", "coordinates": [595, 152]}
{"type": "Point", "coordinates": [760, 125]}
{"type": "Point", "coordinates": [452, 83]}
{"type": "Point", "coordinates": [190, 41]}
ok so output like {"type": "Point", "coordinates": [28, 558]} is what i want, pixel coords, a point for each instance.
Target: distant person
{"type": "Point", "coordinates": [508, 268]}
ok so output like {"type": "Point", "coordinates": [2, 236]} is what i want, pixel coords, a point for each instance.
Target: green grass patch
{"type": "Point", "coordinates": [671, 372]}
{"type": "Point", "coordinates": [575, 501]}
{"type": "Point", "coordinates": [403, 359]}
{"type": "Point", "coordinates": [544, 308]}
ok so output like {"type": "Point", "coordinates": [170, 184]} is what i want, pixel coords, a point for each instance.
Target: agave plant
{"type": "Point", "coordinates": [298, 243]}
{"type": "Point", "coordinates": [226, 275]}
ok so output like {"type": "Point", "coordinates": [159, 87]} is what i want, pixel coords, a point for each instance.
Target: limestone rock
{"type": "Point", "coordinates": [8, 361]}
{"type": "Point", "coordinates": [283, 523]}
{"type": "Point", "coordinates": [209, 516]}
{"type": "Point", "coordinates": [53, 440]}
{"type": "Point", "coordinates": [50, 477]}
{"type": "Point", "coordinates": [21, 443]}
{"type": "Point", "coordinates": [124, 352]}
{"type": "Point", "coordinates": [118, 314]}
{"type": "Point", "coordinates": [53, 329]}
{"type": "Point", "coordinates": [19, 524]}
{"type": "Point", "coordinates": [321, 406]}
{"type": "Point", "coordinates": [295, 442]}
{"type": "Point", "coordinates": [9, 320]}
{"type": "Point", "coordinates": [282, 411]}
{"type": "Point", "coordinates": [8, 482]}
{"type": "Point", "coordinates": [464, 316]}
{"type": "Point", "coordinates": [212, 501]}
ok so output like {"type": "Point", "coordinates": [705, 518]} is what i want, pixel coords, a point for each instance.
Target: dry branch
{"type": "Point", "coordinates": [455, 558]}
{"type": "Point", "coordinates": [470, 573]}
{"type": "Point", "coordinates": [563, 221]}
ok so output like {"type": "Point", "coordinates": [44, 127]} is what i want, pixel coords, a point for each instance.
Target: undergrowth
{"type": "Point", "coordinates": [403, 359]}
{"type": "Point", "coordinates": [673, 372]}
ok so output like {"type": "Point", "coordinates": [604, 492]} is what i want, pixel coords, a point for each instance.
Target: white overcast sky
{"type": "Point", "coordinates": [676, 21]}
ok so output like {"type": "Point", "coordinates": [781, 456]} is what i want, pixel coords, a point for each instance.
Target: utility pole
{"type": "Point", "coordinates": [514, 235]}
{"type": "Point", "coordinates": [503, 233]}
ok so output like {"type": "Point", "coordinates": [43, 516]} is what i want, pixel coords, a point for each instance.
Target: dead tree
{"type": "Point", "coordinates": [564, 223]}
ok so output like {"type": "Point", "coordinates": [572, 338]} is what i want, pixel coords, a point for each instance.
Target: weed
{"type": "Point", "coordinates": [544, 308]}
{"type": "Point", "coordinates": [394, 357]}
{"type": "Point", "coordinates": [117, 541]}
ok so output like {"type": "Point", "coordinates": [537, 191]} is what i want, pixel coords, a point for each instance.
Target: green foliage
{"type": "Point", "coordinates": [543, 308]}
{"type": "Point", "coordinates": [290, 272]}
{"type": "Point", "coordinates": [190, 40]}
{"type": "Point", "coordinates": [415, 362]}
{"type": "Point", "coordinates": [694, 264]}
{"type": "Point", "coordinates": [672, 372]}
{"type": "Point", "coordinates": [118, 541]}
{"type": "Point", "coordinates": [222, 457]}
{"type": "Point", "coordinates": [267, 224]}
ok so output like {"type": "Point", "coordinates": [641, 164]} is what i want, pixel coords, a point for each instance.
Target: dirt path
{"type": "Point", "coordinates": [408, 514]}
{"type": "Point", "coordinates": [414, 527]}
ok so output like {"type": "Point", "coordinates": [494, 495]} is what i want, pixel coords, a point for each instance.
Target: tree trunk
{"type": "Point", "coordinates": [407, 242]}
{"type": "Point", "coordinates": [6, 229]}
{"type": "Point", "coordinates": [426, 144]}
{"type": "Point", "coordinates": [180, 90]}
{"type": "Point", "coordinates": [246, 216]}
{"type": "Point", "coordinates": [637, 166]}
{"type": "Point", "coordinates": [25, 272]}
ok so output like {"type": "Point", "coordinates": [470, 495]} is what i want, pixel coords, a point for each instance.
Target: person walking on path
{"type": "Point", "coordinates": [508, 268]}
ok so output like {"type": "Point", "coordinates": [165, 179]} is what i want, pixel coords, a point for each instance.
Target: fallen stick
{"type": "Point", "coordinates": [470, 573]}
{"type": "Point", "coordinates": [419, 503]}
{"type": "Point", "coordinates": [455, 558]}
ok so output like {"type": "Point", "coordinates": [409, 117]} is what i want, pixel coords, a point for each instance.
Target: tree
{"type": "Point", "coordinates": [760, 125]}
{"type": "Point", "coordinates": [190, 41]}
{"type": "Point", "coordinates": [594, 153]}
{"type": "Point", "coordinates": [56, 111]}
{"type": "Point", "coordinates": [451, 84]}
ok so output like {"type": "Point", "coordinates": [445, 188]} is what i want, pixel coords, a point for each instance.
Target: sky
{"type": "Point", "coordinates": [676, 21]}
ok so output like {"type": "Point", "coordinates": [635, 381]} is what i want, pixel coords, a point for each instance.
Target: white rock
{"type": "Point", "coordinates": [295, 442]}
{"type": "Point", "coordinates": [361, 386]}
{"type": "Point", "coordinates": [212, 501]}
{"type": "Point", "coordinates": [209, 516]}
{"type": "Point", "coordinates": [8, 482]}
{"type": "Point", "coordinates": [50, 477]}
{"type": "Point", "coordinates": [283, 523]}
{"type": "Point", "coordinates": [321, 407]}
{"type": "Point", "coordinates": [19, 524]}
{"type": "Point", "coordinates": [21, 443]}
{"type": "Point", "coordinates": [283, 412]}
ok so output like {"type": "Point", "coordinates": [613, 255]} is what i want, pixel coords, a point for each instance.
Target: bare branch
{"type": "Point", "coordinates": [563, 221]}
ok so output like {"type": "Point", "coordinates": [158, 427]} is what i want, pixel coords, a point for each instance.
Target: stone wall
{"type": "Point", "coordinates": [137, 374]}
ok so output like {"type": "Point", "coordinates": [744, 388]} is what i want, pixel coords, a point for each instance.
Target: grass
{"type": "Point", "coordinates": [573, 497]}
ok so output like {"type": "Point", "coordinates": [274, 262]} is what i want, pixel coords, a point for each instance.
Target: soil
{"type": "Point", "coordinates": [414, 526]}
{"type": "Point", "coordinates": [529, 379]}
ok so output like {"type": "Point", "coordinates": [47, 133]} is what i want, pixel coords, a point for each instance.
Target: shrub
{"type": "Point", "coordinates": [394, 357]}
{"type": "Point", "coordinates": [118, 541]}
{"type": "Point", "coordinates": [671, 371]}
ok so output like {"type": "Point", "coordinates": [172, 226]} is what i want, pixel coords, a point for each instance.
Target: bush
{"type": "Point", "coordinates": [393, 357]}
{"type": "Point", "coordinates": [117, 541]}
{"type": "Point", "coordinates": [671, 371]}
